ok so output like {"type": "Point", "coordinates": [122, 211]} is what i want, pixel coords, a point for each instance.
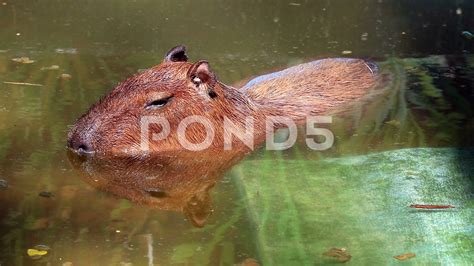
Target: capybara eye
{"type": "Point", "coordinates": [158, 103]}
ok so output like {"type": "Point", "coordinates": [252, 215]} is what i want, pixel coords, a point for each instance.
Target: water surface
{"type": "Point", "coordinates": [99, 43]}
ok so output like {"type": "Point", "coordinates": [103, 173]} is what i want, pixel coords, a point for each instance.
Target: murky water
{"type": "Point", "coordinates": [429, 103]}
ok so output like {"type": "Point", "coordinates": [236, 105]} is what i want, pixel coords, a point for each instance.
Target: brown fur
{"type": "Point", "coordinates": [314, 88]}
{"type": "Point", "coordinates": [112, 125]}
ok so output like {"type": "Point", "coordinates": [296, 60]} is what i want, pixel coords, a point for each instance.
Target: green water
{"type": "Point", "coordinates": [429, 103]}
{"type": "Point", "coordinates": [361, 203]}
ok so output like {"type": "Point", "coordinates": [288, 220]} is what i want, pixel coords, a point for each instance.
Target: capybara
{"type": "Point", "coordinates": [177, 89]}
{"type": "Point", "coordinates": [170, 176]}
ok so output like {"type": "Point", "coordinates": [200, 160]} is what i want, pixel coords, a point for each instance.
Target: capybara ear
{"type": "Point", "coordinates": [176, 54]}
{"type": "Point", "coordinates": [200, 73]}
{"type": "Point", "coordinates": [203, 78]}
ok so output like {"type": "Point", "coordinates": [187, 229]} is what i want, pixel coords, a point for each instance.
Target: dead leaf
{"type": "Point", "coordinates": [65, 76]}
{"type": "Point", "coordinates": [36, 253]}
{"type": "Point", "coordinates": [53, 67]}
{"type": "Point", "coordinates": [431, 206]}
{"type": "Point", "coordinates": [340, 254]}
{"type": "Point", "coordinates": [23, 60]}
{"type": "Point", "coordinates": [405, 256]}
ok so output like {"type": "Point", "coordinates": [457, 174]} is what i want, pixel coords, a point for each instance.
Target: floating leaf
{"type": "Point", "coordinates": [35, 253]}
{"type": "Point", "coordinates": [66, 50]}
{"type": "Point", "coordinates": [340, 254]}
{"type": "Point", "coordinates": [23, 60]}
{"type": "Point", "coordinates": [65, 76]}
{"type": "Point", "coordinates": [405, 256]}
{"type": "Point", "coordinates": [431, 206]}
{"type": "Point", "coordinates": [53, 67]}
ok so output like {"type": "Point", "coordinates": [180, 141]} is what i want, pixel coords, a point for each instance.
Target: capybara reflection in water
{"type": "Point", "coordinates": [159, 181]}
{"type": "Point", "coordinates": [177, 89]}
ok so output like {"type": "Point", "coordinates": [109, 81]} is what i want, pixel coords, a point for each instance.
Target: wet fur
{"type": "Point", "coordinates": [112, 125]}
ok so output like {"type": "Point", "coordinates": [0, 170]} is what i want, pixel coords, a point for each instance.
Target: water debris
{"type": "Point", "coordinates": [4, 51]}
{"type": "Point", "coordinates": [3, 184]}
{"type": "Point", "coordinates": [38, 251]}
{"type": "Point", "coordinates": [53, 67]}
{"type": "Point", "coordinates": [405, 256]}
{"type": "Point", "coordinates": [23, 83]}
{"type": "Point", "coordinates": [46, 194]}
{"type": "Point", "coordinates": [65, 76]}
{"type": "Point", "coordinates": [66, 50]}
{"type": "Point", "coordinates": [340, 254]}
{"type": "Point", "coordinates": [431, 207]}
{"type": "Point", "coordinates": [294, 4]}
{"type": "Point", "coordinates": [467, 35]}
{"type": "Point", "coordinates": [34, 253]}
{"type": "Point", "coordinates": [364, 36]}
{"type": "Point", "coordinates": [23, 60]}
{"type": "Point", "coordinates": [347, 52]}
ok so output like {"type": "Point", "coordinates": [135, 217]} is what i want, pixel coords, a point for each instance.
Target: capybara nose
{"type": "Point", "coordinates": [78, 143]}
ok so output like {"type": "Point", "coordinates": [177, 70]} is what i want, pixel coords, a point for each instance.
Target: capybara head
{"type": "Point", "coordinates": [173, 90]}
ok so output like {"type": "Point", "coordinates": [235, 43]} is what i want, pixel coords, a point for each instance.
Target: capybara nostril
{"type": "Point", "coordinates": [83, 149]}
{"type": "Point", "coordinates": [78, 144]}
